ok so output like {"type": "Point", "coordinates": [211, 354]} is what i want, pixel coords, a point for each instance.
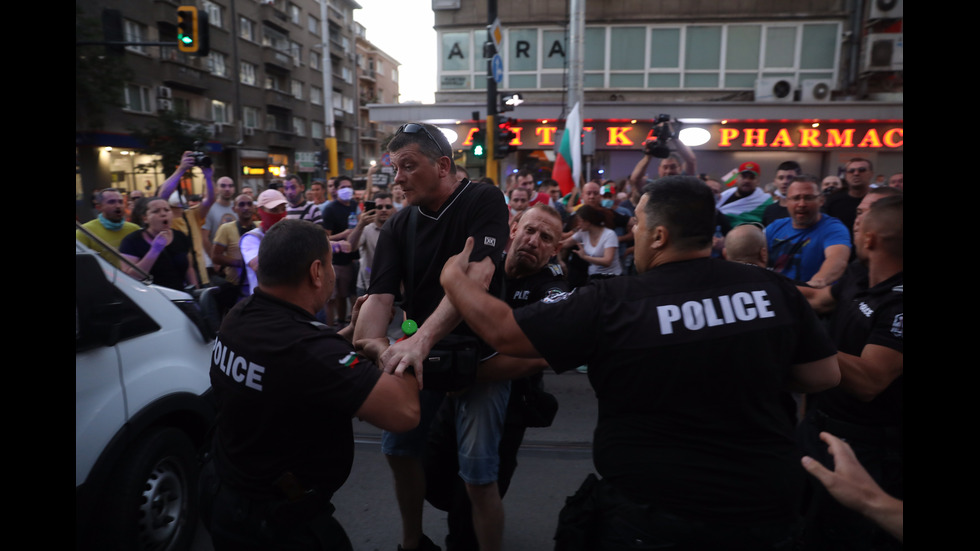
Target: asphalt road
{"type": "Point", "coordinates": [552, 463]}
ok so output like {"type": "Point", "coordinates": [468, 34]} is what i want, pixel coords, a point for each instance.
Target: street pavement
{"type": "Point", "coordinates": [552, 463]}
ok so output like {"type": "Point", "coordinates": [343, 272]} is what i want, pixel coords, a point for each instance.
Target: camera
{"type": "Point", "coordinates": [201, 160]}
{"type": "Point", "coordinates": [657, 147]}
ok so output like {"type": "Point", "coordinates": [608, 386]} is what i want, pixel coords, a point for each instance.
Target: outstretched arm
{"type": "Point", "coordinates": [851, 485]}
{"type": "Point", "coordinates": [170, 184]}
{"type": "Point", "coordinates": [492, 319]}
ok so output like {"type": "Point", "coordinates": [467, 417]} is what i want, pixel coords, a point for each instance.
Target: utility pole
{"type": "Point", "coordinates": [330, 137]}
{"type": "Point", "coordinates": [492, 169]}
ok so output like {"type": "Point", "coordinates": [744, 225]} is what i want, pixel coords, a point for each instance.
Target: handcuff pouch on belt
{"type": "Point", "coordinates": [451, 364]}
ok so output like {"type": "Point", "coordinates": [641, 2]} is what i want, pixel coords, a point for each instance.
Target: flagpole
{"type": "Point", "coordinates": [576, 65]}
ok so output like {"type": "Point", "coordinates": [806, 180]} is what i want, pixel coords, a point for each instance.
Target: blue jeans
{"type": "Point", "coordinates": [412, 443]}
{"type": "Point", "coordinates": [480, 412]}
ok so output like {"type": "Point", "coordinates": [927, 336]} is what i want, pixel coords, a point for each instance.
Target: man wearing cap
{"type": "Point", "coordinates": [271, 209]}
{"type": "Point", "coordinates": [190, 220]}
{"type": "Point", "coordinates": [110, 226]}
{"type": "Point", "coordinates": [745, 202]}
{"type": "Point", "coordinates": [808, 246]}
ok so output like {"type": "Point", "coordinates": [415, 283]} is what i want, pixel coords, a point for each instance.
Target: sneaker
{"type": "Point", "coordinates": [582, 369]}
{"type": "Point", "coordinates": [425, 544]}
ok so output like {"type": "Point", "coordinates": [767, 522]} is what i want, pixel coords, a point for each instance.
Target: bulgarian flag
{"type": "Point", "coordinates": [730, 179]}
{"type": "Point", "coordinates": [568, 165]}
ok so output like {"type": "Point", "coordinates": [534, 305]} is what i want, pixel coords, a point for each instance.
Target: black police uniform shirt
{"type": "Point", "coordinates": [689, 361]}
{"type": "Point", "coordinates": [473, 209]}
{"type": "Point", "coordinates": [866, 316]}
{"type": "Point", "coordinates": [287, 389]}
{"type": "Point", "coordinates": [517, 292]}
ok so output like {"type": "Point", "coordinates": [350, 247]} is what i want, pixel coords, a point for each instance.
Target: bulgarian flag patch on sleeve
{"type": "Point", "coordinates": [350, 360]}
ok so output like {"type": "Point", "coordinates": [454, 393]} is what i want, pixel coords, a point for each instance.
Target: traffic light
{"type": "Point", "coordinates": [478, 144]}
{"type": "Point", "coordinates": [193, 31]}
{"type": "Point", "coordinates": [504, 135]}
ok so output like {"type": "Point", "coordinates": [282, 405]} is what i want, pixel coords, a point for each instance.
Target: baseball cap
{"type": "Point", "coordinates": [176, 200]}
{"type": "Point", "coordinates": [270, 199]}
{"type": "Point", "coordinates": [749, 166]}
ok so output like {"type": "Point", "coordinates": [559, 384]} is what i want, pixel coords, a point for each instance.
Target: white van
{"type": "Point", "coordinates": [142, 409]}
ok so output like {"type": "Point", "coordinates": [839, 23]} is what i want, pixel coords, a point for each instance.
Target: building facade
{"type": "Point", "coordinates": [817, 81]}
{"type": "Point", "coordinates": [279, 79]}
{"type": "Point", "coordinates": [377, 78]}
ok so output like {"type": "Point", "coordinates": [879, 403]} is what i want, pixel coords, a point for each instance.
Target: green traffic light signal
{"type": "Point", "coordinates": [478, 148]}
{"type": "Point", "coordinates": [192, 30]}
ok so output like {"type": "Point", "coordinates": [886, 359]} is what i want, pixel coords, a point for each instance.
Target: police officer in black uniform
{"type": "Point", "coordinates": [867, 408]}
{"type": "Point", "coordinates": [287, 387]}
{"type": "Point", "coordinates": [692, 361]}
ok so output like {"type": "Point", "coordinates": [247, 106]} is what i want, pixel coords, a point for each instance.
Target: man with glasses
{"type": "Point", "coordinates": [809, 246]}
{"type": "Point", "coordinates": [843, 206]}
{"type": "Point", "coordinates": [364, 238]}
{"type": "Point", "coordinates": [745, 202]}
{"type": "Point", "coordinates": [441, 212]}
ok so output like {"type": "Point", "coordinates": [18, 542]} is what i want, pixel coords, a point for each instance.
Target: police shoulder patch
{"type": "Point", "coordinates": [556, 296]}
{"type": "Point", "coordinates": [897, 325]}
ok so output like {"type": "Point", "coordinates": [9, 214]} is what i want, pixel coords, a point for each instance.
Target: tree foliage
{"type": "Point", "coordinates": [99, 77]}
{"type": "Point", "coordinates": [169, 136]}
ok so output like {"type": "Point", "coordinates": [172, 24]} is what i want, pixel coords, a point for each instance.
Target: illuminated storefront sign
{"type": "Point", "coordinates": [730, 137]}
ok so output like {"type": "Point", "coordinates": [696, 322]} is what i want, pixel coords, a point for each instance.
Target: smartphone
{"type": "Point", "coordinates": [368, 205]}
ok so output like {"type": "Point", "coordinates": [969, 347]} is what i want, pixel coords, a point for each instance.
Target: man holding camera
{"type": "Point", "coordinates": [681, 161]}
{"type": "Point", "coordinates": [190, 220]}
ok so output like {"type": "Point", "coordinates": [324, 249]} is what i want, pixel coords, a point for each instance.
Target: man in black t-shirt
{"type": "Point", "coordinates": [441, 212]}
{"type": "Point", "coordinates": [843, 205]}
{"type": "Point", "coordinates": [694, 440]}
{"type": "Point", "coordinates": [340, 219]}
{"type": "Point", "coordinates": [286, 388]}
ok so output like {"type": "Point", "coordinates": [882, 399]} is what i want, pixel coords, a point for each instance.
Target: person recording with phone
{"type": "Point", "coordinates": [364, 238]}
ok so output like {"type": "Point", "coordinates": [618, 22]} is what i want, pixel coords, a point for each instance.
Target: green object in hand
{"type": "Point", "coordinates": [409, 327]}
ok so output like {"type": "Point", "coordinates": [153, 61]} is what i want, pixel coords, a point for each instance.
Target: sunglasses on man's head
{"type": "Point", "coordinates": [415, 128]}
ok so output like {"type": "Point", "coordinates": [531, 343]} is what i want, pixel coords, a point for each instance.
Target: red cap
{"type": "Point", "coordinates": [749, 167]}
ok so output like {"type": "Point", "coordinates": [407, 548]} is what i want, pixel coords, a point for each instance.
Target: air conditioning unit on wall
{"type": "Point", "coordinates": [165, 105]}
{"type": "Point", "coordinates": [885, 9]}
{"type": "Point", "coordinates": [883, 52]}
{"type": "Point", "coordinates": [770, 89]}
{"type": "Point", "coordinates": [816, 89]}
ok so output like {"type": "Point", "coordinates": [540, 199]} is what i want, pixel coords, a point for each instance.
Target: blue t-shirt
{"type": "Point", "coordinates": [799, 253]}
